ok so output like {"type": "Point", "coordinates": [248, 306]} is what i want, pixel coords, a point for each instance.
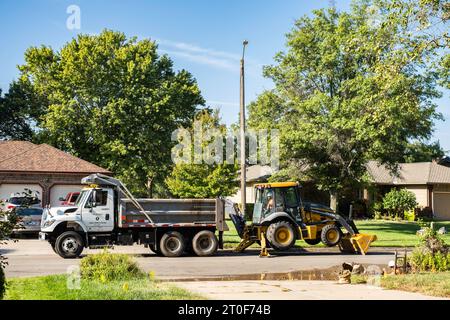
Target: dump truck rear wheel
{"type": "Point", "coordinates": [331, 235]}
{"type": "Point", "coordinates": [155, 251]}
{"type": "Point", "coordinates": [313, 242]}
{"type": "Point", "coordinates": [172, 244]}
{"type": "Point", "coordinates": [205, 243]}
{"type": "Point", "coordinates": [69, 245]}
{"type": "Point", "coordinates": [281, 235]}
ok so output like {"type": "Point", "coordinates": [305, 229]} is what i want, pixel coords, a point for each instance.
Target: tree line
{"type": "Point", "coordinates": [349, 87]}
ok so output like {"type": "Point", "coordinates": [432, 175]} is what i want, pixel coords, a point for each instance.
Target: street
{"type": "Point", "coordinates": [34, 258]}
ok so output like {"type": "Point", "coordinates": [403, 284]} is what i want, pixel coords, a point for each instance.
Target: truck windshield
{"type": "Point", "coordinates": [81, 197]}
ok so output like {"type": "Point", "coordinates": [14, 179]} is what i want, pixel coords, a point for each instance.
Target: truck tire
{"type": "Point", "coordinates": [172, 244]}
{"type": "Point", "coordinates": [69, 245]}
{"type": "Point", "coordinates": [331, 235]}
{"type": "Point", "coordinates": [155, 251]}
{"type": "Point", "coordinates": [205, 243]}
{"type": "Point", "coordinates": [281, 235]}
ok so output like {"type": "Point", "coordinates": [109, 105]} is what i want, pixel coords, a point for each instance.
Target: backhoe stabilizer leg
{"type": "Point", "coordinates": [264, 252]}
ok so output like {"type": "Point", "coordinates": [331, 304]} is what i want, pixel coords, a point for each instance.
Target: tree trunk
{"type": "Point", "coordinates": [150, 187]}
{"type": "Point", "coordinates": [334, 200]}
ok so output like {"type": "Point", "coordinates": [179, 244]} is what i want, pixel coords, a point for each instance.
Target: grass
{"type": "Point", "coordinates": [55, 288]}
{"type": "Point", "coordinates": [431, 284]}
{"type": "Point", "coordinates": [389, 233]}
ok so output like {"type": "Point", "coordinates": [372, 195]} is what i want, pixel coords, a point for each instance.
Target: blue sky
{"type": "Point", "coordinates": [202, 36]}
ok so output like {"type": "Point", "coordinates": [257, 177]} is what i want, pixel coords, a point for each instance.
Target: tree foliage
{"type": "Point", "coordinates": [112, 101]}
{"type": "Point", "coordinates": [19, 108]}
{"type": "Point", "coordinates": [8, 222]}
{"type": "Point", "coordinates": [190, 180]}
{"type": "Point", "coordinates": [421, 152]}
{"type": "Point", "coordinates": [347, 90]}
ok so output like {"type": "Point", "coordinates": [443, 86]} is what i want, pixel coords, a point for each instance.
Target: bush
{"type": "Point", "coordinates": [106, 267]}
{"type": "Point", "coordinates": [432, 254]}
{"type": "Point", "coordinates": [397, 202]}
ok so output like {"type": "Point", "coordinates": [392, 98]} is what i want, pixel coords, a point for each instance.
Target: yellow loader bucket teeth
{"type": "Point", "coordinates": [359, 243]}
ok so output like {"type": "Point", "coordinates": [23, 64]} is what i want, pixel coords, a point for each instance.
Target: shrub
{"type": "Point", "coordinates": [106, 267]}
{"type": "Point", "coordinates": [396, 202]}
{"type": "Point", "coordinates": [432, 253]}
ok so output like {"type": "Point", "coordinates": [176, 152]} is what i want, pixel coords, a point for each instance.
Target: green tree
{"type": "Point", "coordinates": [396, 202]}
{"type": "Point", "coordinates": [112, 101]}
{"type": "Point", "coordinates": [8, 222]}
{"type": "Point", "coordinates": [422, 152]}
{"type": "Point", "coordinates": [189, 180]}
{"type": "Point", "coordinates": [347, 90]}
{"type": "Point", "coordinates": [19, 109]}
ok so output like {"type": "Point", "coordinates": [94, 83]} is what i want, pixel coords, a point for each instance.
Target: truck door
{"type": "Point", "coordinates": [98, 211]}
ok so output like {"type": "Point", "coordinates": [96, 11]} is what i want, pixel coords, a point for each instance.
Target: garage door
{"type": "Point", "coordinates": [7, 189]}
{"type": "Point", "coordinates": [60, 191]}
{"type": "Point", "coordinates": [442, 206]}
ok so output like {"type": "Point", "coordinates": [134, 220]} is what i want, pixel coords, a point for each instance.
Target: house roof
{"type": "Point", "coordinates": [258, 173]}
{"type": "Point", "coordinates": [410, 173]}
{"type": "Point", "coordinates": [25, 156]}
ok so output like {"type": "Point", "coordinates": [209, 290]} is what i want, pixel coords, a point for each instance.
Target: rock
{"type": "Point", "coordinates": [358, 269]}
{"type": "Point", "coordinates": [421, 232]}
{"type": "Point", "coordinates": [442, 230]}
{"type": "Point", "coordinates": [347, 266]}
{"type": "Point", "coordinates": [345, 277]}
{"type": "Point", "coordinates": [391, 264]}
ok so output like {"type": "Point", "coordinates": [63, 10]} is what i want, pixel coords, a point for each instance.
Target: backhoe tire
{"type": "Point", "coordinates": [313, 242]}
{"type": "Point", "coordinates": [331, 235]}
{"type": "Point", "coordinates": [172, 244]}
{"type": "Point", "coordinates": [69, 245]}
{"type": "Point", "coordinates": [205, 243]}
{"type": "Point", "coordinates": [281, 235]}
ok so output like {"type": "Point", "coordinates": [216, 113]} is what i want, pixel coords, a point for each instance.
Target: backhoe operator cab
{"type": "Point", "coordinates": [280, 217]}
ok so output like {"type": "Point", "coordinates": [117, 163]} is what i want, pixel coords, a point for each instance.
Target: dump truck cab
{"type": "Point", "coordinates": [281, 217]}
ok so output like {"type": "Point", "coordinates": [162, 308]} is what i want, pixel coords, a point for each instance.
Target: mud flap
{"type": "Point", "coordinates": [358, 243]}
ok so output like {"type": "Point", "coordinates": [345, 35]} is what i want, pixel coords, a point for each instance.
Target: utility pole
{"type": "Point", "coordinates": [242, 132]}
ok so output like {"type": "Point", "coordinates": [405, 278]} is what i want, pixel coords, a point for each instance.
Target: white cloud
{"type": "Point", "coordinates": [216, 58]}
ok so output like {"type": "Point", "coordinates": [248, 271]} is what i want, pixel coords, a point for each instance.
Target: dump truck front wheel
{"type": "Point", "coordinates": [281, 235]}
{"type": "Point", "coordinates": [69, 245]}
{"type": "Point", "coordinates": [172, 244]}
{"type": "Point", "coordinates": [331, 235]}
{"type": "Point", "coordinates": [204, 243]}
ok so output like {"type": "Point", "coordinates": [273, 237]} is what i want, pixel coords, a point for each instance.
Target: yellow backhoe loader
{"type": "Point", "coordinates": [280, 217]}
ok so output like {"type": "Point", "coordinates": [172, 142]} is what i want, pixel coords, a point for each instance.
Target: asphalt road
{"type": "Point", "coordinates": [33, 258]}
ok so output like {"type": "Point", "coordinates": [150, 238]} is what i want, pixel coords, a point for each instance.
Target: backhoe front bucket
{"type": "Point", "coordinates": [358, 243]}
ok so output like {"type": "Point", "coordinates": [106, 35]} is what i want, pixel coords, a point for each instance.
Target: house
{"type": "Point", "coordinates": [429, 181]}
{"type": "Point", "coordinates": [254, 175]}
{"type": "Point", "coordinates": [42, 168]}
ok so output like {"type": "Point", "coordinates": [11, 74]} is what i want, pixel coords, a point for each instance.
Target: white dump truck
{"type": "Point", "coordinates": [106, 214]}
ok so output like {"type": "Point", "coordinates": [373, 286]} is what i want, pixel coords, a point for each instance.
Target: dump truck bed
{"type": "Point", "coordinates": [168, 212]}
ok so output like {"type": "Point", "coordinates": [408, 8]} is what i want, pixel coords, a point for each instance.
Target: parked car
{"type": "Point", "coordinates": [30, 220]}
{"type": "Point", "coordinates": [21, 201]}
{"type": "Point", "coordinates": [70, 199]}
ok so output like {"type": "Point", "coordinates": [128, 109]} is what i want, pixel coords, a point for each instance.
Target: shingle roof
{"type": "Point", "coordinates": [25, 156]}
{"type": "Point", "coordinates": [410, 173]}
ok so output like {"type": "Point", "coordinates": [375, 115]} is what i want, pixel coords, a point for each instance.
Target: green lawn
{"type": "Point", "coordinates": [55, 288]}
{"type": "Point", "coordinates": [389, 233]}
{"type": "Point", "coordinates": [428, 283]}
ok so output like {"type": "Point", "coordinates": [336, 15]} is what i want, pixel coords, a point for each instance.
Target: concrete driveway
{"type": "Point", "coordinates": [33, 258]}
{"type": "Point", "coordinates": [296, 290]}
